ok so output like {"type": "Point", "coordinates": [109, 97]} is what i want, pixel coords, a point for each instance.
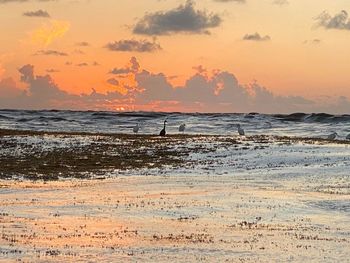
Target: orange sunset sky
{"type": "Point", "coordinates": [207, 55]}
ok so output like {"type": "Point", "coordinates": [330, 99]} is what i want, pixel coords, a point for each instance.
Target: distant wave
{"type": "Point", "coordinates": [5, 117]}
{"type": "Point", "coordinates": [314, 117]}
{"type": "Point", "coordinates": [295, 124]}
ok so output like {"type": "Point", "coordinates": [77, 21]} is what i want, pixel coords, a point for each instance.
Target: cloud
{"type": "Point", "coordinates": [215, 91]}
{"type": "Point", "coordinates": [133, 67]}
{"type": "Point", "coordinates": [338, 21]}
{"type": "Point", "coordinates": [256, 37]}
{"type": "Point", "coordinates": [280, 2]}
{"type": "Point", "coordinates": [314, 41]}
{"type": "Point", "coordinates": [133, 46]}
{"type": "Point", "coordinates": [113, 81]}
{"type": "Point", "coordinates": [8, 89]}
{"type": "Point", "coordinates": [52, 70]}
{"type": "Point", "coordinates": [38, 13]}
{"type": "Point", "coordinates": [220, 92]}
{"type": "Point", "coordinates": [84, 64]}
{"type": "Point", "coordinates": [50, 53]}
{"type": "Point", "coordinates": [204, 91]}
{"type": "Point", "coordinates": [21, 1]}
{"type": "Point", "coordinates": [47, 33]}
{"type": "Point", "coordinates": [236, 1]}
{"type": "Point", "coordinates": [183, 19]}
{"type": "Point", "coordinates": [42, 93]}
{"type": "Point", "coordinates": [79, 52]}
{"type": "Point", "coordinates": [83, 44]}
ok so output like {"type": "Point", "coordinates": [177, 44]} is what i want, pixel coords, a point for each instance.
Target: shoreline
{"type": "Point", "coordinates": [53, 155]}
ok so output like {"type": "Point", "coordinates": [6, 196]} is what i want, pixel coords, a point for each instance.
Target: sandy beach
{"type": "Point", "coordinates": [216, 199]}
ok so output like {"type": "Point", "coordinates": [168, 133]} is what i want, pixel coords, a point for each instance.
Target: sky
{"type": "Point", "coordinates": [270, 56]}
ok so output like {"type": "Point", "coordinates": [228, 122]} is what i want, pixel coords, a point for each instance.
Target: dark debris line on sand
{"type": "Point", "coordinates": [40, 155]}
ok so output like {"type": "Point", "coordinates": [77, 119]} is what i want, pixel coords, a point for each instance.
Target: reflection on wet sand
{"type": "Point", "coordinates": [157, 218]}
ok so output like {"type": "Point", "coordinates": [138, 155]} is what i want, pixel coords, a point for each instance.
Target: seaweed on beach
{"type": "Point", "coordinates": [38, 155]}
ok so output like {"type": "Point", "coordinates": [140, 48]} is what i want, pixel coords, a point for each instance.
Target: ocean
{"type": "Point", "coordinates": [318, 125]}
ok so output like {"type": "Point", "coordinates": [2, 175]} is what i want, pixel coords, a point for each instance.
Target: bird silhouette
{"type": "Point", "coordinates": [163, 132]}
{"type": "Point", "coordinates": [136, 128]}
{"type": "Point", "coordinates": [348, 137]}
{"type": "Point", "coordinates": [332, 136]}
{"type": "Point", "coordinates": [240, 130]}
{"type": "Point", "coordinates": [182, 127]}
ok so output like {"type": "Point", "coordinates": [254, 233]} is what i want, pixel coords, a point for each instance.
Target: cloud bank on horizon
{"type": "Point", "coordinates": [204, 91]}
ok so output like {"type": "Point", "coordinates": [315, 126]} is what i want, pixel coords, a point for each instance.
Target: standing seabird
{"type": "Point", "coordinates": [163, 132]}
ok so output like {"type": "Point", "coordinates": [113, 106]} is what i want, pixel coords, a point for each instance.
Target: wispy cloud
{"type": "Point", "coordinates": [47, 33]}
{"type": "Point", "coordinates": [50, 53]}
{"type": "Point", "coordinates": [134, 46]}
{"type": "Point", "coordinates": [235, 1]}
{"type": "Point", "coordinates": [280, 2]}
{"type": "Point", "coordinates": [22, 1]}
{"type": "Point", "coordinates": [38, 13]}
{"type": "Point", "coordinates": [256, 37]}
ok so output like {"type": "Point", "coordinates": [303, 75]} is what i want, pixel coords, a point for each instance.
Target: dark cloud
{"type": "Point", "coordinates": [38, 13]}
{"type": "Point", "coordinates": [183, 19]}
{"type": "Point", "coordinates": [120, 71]}
{"type": "Point", "coordinates": [256, 37]}
{"type": "Point", "coordinates": [338, 21]}
{"type": "Point", "coordinates": [133, 67]}
{"type": "Point", "coordinates": [50, 53]}
{"type": "Point", "coordinates": [113, 81]}
{"type": "Point", "coordinates": [133, 46]}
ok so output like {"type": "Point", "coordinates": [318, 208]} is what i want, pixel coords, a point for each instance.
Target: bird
{"type": "Point", "coordinates": [136, 128]}
{"type": "Point", "coordinates": [240, 130]}
{"type": "Point", "coordinates": [163, 132]}
{"type": "Point", "coordinates": [182, 127]}
{"type": "Point", "coordinates": [268, 125]}
{"type": "Point", "coordinates": [332, 136]}
{"type": "Point", "coordinates": [348, 137]}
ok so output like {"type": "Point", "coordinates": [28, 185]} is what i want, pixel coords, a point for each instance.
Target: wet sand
{"type": "Point", "coordinates": [162, 218]}
{"type": "Point", "coordinates": [213, 199]}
